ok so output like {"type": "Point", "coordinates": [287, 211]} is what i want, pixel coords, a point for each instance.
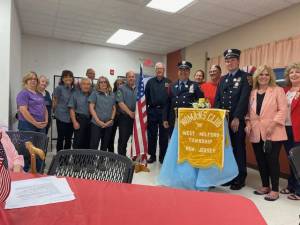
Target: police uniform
{"type": "Point", "coordinates": [181, 95]}
{"type": "Point", "coordinates": [233, 95]}
{"type": "Point", "coordinates": [156, 93]}
{"type": "Point", "coordinates": [127, 95]}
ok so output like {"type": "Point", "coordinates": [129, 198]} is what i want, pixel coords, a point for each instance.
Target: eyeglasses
{"type": "Point", "coordinates": [33, 79]}
{"type": "Point", "coordinates": [102, 82]}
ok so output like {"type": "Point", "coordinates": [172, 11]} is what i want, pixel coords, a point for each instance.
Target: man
{"type": "Point", "coordinates": [90, 73]}
{"type": "Point", "coordinates": [156, 93]}
{"type": "Point", "coordinates": [210, 88]}
{"type": "Point", "coordinates": [126, 99]}
{"type": "Point", "coordinates": [182, 94]}
{"type": "Point", "coordinates": [233, 95]}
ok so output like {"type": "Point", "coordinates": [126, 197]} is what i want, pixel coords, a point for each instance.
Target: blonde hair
{"type": "Point", "coordinates": [287, 72]}
{"type": "Point", "coordinates": [107, 82]}
{"type": "Point", "coordinates": [28, 76]}
{"type": "Point", "coordinates": [258, 71]}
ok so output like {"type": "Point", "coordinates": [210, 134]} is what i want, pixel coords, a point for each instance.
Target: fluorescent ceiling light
{"type": "Point", "coordinates": [171, 6]}
{"type": "Point", "coordinates": [123, 37]}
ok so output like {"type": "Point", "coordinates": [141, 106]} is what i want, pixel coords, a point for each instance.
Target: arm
{"type": "Point", "coordinates": [94, 114]}
{"type": "Point", "coordinates": [218, 96]}
{"type": "Point", "coordinates": [125, 108]}
{"type": "Point", "coordinates": [76, 125]}
{"type": "Point", "coordinates": [113, 114]}
{"type": "Point", "coordinates": [242, 106]}
{"type": "Point", "coordinates": [280, 116]}
{"type": "Point", "coordinates": [29, 118]}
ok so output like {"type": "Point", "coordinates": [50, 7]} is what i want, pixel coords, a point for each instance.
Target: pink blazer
{"type": "Point", "coordinates": [12, 155]}
{"type": "Point", "coordinates": [274, 108]}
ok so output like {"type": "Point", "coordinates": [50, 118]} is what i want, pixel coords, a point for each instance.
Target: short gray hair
{"type": "Point", "coordinates": [159, 63]}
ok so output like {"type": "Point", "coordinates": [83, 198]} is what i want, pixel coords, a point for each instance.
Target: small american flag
{"type": "Point", "coordinates": [140, 145]}
{"type": "Point", "coordinates": [4, 176]}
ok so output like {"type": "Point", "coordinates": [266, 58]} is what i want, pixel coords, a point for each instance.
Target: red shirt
{"type": "Point", "coordinates": [209, 89]}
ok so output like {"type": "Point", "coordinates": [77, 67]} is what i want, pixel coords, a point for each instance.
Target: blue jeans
{"type": "Point", "coordinates": [23, 125]}
{"type": "Point", "coordinates": [26, 126]}
{"type": "Point", "coordinates": [293, 185]}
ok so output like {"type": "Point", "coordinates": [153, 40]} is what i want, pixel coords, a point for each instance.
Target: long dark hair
{"type": "Point", "coordinates": [116, 84]}
{"type": "Point", "coordinates": [65, 73]}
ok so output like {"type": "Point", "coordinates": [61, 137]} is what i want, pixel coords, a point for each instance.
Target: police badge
{"type": "Point", "coordinates": [191, 90]}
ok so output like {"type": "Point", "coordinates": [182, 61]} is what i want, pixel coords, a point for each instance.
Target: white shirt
{"type": "Point", "coordinates": [290, 96]}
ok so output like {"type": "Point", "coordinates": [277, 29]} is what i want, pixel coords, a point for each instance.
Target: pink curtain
{"type": "Point", "coordinates": [276, 54]}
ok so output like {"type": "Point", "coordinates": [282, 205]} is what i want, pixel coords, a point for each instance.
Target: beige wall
{"type": "Point", "coordinates": [279, 25]}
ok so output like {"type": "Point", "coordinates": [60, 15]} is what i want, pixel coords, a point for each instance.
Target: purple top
{"type": "Point", "coordinates": [35, 104]}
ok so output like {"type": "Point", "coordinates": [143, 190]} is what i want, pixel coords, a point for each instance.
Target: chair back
{"type": "Point", "coordinates": [39, 140]}
{"type": "Point", "coordinates": [294, 159]}
{"type": "Point", "coordinates": [92, 164]}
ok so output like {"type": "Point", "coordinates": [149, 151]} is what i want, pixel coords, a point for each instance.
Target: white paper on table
{"type": "Point", "coordinates": [38, 191]}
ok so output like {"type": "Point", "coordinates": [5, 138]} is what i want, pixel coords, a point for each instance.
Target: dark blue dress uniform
{"type": "Point", "coordinates": [156, 93]}
{"type": "Point", "coordinates": [233, 95]}
{"type": "Point", "coordinates": [181, 95]}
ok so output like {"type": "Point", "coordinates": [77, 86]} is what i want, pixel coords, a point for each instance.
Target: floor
{"type": "Point", "coordinates": [280, 212]}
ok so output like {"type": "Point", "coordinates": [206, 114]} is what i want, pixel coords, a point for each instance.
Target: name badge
{"type": "Point", "coordinates": [166, 85]}
{"type": "Point", "coordinates": [191, 90]}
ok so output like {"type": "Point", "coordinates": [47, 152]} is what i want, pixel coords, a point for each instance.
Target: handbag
{"type": "Point", "coordinates": [267, 148]}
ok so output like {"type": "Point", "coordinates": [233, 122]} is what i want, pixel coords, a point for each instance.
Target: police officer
{"type": "Point", "coordinates": [126, 99]}
{"type": "Point", "coordinates": [156, 93]}
{"type": "Point", "coordinates": [233, 94]}
{"type": "Point", "coordinates": [182, 94]}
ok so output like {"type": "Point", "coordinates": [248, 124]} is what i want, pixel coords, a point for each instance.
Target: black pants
{"type": "Point", "coordinates": [268, 164]}
{"type": "Point", "coordinates": [82, 135]}
{"type": "Point", "coordinates": [111, 146]}
{"type": "Point", "coordinates": [155, 124]}
{"type": "Point", "coordinates": [97, 134]}
{"type": "Point", "coordinates": [64, 135]}
{"type": "Point", "coordinates": [125, 131]}
{"type": "Point", "coordinates": [239, 151]}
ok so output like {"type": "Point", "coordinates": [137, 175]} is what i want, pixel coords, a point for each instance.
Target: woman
{"type": "Point", "coordinates": [265, 127]}
{"type": "Point", "coordinates": [102, 108]}
{"type": "Point", "coordinates": [292, 76]}
{"type": "Point", "coordinates": [80, 115]}
{"type": "Point", "coordinates": [15, 161]}
{"type": "Point", "coordinates": [199, 77]}
{"type": "Point", "coordinates": [210, 88]}
{"type": "Point", "coordinates": [111, 148]}
{"type": "Point", "coordinates": [33, 114]}
{"type": "Point", "coordinates": [61, 97]}
{"type": "Point", "coordinates": [42, 85]}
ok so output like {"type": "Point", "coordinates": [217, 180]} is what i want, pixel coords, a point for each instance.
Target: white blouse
{"type": "Point", "coordinates": [290, 96]}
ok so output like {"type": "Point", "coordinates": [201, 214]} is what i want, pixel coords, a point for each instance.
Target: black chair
{"type": "Point", "coordinates": [294, 159]}
{"type": "Point", "coordinates": [39, 140]}
{"type": "Point", "coordinates": [92, 164]}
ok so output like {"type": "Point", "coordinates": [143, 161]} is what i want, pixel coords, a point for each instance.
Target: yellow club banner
{"type": "Point", "coordinates": [201, 137]}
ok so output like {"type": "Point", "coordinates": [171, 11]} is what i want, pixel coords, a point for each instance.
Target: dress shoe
{"type": "Point", "coordinates": [152, 159]}
{"type": "Point", "coordinates": [237, 186]}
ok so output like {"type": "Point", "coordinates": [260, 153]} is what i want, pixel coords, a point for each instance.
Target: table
{"type": "Point", "coordinates": [107, 203]}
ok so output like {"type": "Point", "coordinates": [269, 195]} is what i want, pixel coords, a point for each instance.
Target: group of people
{"type": "Point", "coordinates": [256, 106]}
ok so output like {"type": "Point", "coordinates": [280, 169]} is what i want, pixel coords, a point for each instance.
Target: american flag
{"type": "Point", "coordinates": [140, 145]}
{"type": "Point", "coordinates": [4, 176]}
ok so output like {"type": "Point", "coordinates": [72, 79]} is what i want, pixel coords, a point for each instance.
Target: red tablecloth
{"type": "Point", "coordinates": [112, 203]}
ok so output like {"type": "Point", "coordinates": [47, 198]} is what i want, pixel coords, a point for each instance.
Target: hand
{"type": "Point", "coordinates": [76, 125]}
{"type": "Point", "coordinates": [17, 168]}
{"type": "Point", "coordinates": [109, 123]}
{"type": "Point", "coordinates": [247, 130]}
{"type": "Point", "coordinates": [101, 124]}
{"type": "Point", "coordinates": [166, 124]}
{"type": "Point", "coordinates": [270, 129]}
{"type": "Point", "coordinates": [132, 115]}
{"type": "Point", "coordinates": [235, 125]}
{"type": "Point", "coordinates": [40, 125]}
